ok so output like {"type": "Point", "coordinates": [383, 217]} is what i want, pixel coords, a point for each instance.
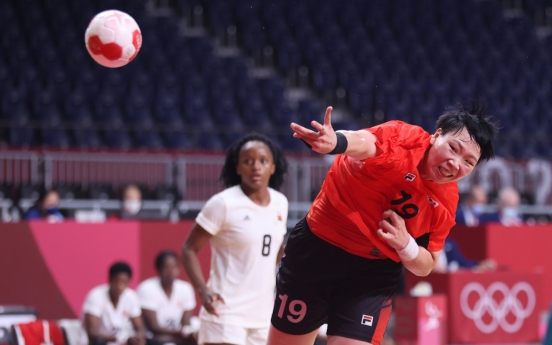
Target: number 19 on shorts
{"type": "Point", "coordinates": [296, 309]}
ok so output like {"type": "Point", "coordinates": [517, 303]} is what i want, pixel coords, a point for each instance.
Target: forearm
{"type": "Point", "coordinates": [165, 331]}
{"type": "Point", "coordinates": [191, 264]}
{"type": "Point", "coordinates": [94, 335]}
{"type": "Point", "coordinates": [423, 264]}
{"type": "Point", "coordinates": [360, 144]}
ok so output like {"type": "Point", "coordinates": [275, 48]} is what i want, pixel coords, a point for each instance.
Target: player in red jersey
{"type": "Point", "coordinates": [388, 201]}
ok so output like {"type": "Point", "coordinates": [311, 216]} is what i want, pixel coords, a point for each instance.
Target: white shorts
{"type": "Point", "coordinates": [211, 332]}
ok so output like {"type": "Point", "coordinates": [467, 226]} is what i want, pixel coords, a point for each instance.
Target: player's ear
{"type": "Point", "coordinates": [435, 135]}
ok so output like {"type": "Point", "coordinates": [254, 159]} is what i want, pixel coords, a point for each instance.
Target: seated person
{"type": "Point", "coordinates": [112, 310]}
{"type": "Point", "coordinates": [470, 209]}
{"type": "Point", "coordinates": [508, 209]}
{"type": "Point", "coordinates": [132, 206]}
{"type": "Point", "coordinates": [452, 259]}
{"type": "Point", "coordinates": [131, 202]}
{"type": "Point", "coordinates": [45, 207]}
{"type": "Point", "coordinates": [167, 303]}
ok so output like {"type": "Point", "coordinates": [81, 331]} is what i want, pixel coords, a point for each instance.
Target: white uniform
{"type": "Point", "coordinates": [113, 321]}
{"type": "Point", "coordinates": [169, 311]}
{"type": "Point", "coordinates": [245, 244]}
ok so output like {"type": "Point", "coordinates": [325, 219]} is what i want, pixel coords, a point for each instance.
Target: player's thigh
{"type": "Point", "coordinates": [337, 340]}
{"type": "Point", "coordinates": [361, 316]}
{"type": "Point", "coordinates": [218, 333]}
{"type": "Point", "coordinates": [298, 310]}
{"type": "Point", "coordinates": [257, 336]}
{"type": "Point", "coordinates": [276, 337]}
{"type": "Point", "coordinates": [302, 293]}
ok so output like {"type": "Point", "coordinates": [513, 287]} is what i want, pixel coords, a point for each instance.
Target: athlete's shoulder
{"type": "Point", "coordinates": [224, 198]}
{"type": "Point", "coordinates": [183, 285]}
{"type": "Point", "coordinates": [148, 284]}
{"type": "Point", "coordinates": [129, 293]}
{"type": "Point", "coordinates": [398, 129]}
{"type": "Point", "coordinates": [98, 293]}
{"type": "Point", "coordinates": [278, 196]}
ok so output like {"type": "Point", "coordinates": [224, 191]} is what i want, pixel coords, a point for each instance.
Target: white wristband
{"type": "Point", "coordinates": [410, 252]}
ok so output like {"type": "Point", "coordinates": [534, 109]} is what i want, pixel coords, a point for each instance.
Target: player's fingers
{"type": "Point", "coordinates": [328, 117]}
{"type": "Point", "coordinates": [317, 126]}
{"type": "Point", "coordinates": [387, 214]}
{"type": "Point", "coordinates": [395, 218]}
{"type": "Point", "coordinates": [219, 298]}
{"type": "Point", "coordinates": [304, 132]}
{"type": "Point", "coordinates": [387, 227]}
{"type": "Point", "coordinates": [384, 234]}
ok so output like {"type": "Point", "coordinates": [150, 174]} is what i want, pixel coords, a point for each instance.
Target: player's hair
{"type": "Point", "coordinates": [162, 256]}
{"type": "Point", "coordinates": [230, 177]}
{"type": "Point", "coordinates": [119, 267]}
{"type": "Point", "coordinates": [481, 127]}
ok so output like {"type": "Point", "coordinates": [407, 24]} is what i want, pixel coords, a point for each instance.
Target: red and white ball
{"type": "Point", "coordinates": [113, 38]}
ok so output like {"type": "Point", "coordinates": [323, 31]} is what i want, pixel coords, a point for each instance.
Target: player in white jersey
{"type": "Point", "coordinates": [245, 225]}
{"type": "Point", "coordinates": [167, 302]}
{"type": "Point", "coordinates": [112, 311]}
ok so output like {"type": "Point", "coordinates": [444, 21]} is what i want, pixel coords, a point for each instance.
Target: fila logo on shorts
{"type": "Point", "coordinates": [367, 320]}
{"type": "Point", "coordinates": [433, 202]}
{"type": "Point", "coordinates": [409, 177]}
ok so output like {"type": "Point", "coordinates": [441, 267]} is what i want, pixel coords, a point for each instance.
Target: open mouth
{"type": "Point", "coordinates": [444, 174]}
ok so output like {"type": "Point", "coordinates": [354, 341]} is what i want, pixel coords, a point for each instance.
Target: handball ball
{"type": "Point", "coordinates": [113, 38]}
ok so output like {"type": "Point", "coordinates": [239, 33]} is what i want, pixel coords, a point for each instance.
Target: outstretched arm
{"type": "Point", "coordinates": [361, 144]}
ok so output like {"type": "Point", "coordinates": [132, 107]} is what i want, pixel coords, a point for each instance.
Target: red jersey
{"type": "Point", "coordinates": [355, 194]}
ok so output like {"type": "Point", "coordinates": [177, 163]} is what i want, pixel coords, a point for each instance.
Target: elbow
{"type": "Point", "coordinates": [423, 273]}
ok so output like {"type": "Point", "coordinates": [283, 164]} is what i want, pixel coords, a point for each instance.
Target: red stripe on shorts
{"type": "Point", "coordinates": [385, 313]}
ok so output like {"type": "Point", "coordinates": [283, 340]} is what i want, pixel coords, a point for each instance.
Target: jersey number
{"type": "Point", "coordinates": [300, 314]}
{"type": "Point", "coordinates": [407, 210]}
{"type": "Point", "coordinates": [266, 245]}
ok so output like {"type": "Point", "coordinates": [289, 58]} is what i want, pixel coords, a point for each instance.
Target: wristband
{"type": "Point", "coordinates": [341, 145]}
{"type": "Point", "coordinates": [410, 252]}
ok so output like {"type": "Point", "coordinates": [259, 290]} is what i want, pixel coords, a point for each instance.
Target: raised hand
{"type": "Point", "coordinates": [322, 141]}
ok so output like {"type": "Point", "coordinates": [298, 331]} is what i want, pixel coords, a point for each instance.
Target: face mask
{"type": "Point", "coordinates": [477, 209]}
{"type": "Point", "coordinates": [510, 212]}
{"type": "Point", "coordinates": [132, 206]}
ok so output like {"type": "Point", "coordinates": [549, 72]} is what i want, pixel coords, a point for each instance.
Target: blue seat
{"type": "Point", "coordinates": [178, 140]}
{"type": "Point", "coordinates": [22, 137]}
{"type": "Point", "coordinates": [55, 137]}
{"type": "Point", "coordinates": [210, 141]}
{"type": "Point", "coordinates": [87, 138]}
{"type": "Point", "coordinates": [118, 139]}
{"type": "Point", "coordinates": [148, 139]}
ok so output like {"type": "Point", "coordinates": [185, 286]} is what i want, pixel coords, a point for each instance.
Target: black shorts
{"type": "Point", "coordinates": [320, 283]}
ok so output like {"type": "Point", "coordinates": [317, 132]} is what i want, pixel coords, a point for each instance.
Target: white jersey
{"type": "Point", "coordinates": [113, 321]}
{"type": "Point", "coordinates": [245, 244]}
{"type": "Point", "coordinates": [169, 311]}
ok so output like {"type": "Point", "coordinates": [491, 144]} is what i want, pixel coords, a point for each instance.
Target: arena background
{"type": "Point", "coordinates": [212, 70]}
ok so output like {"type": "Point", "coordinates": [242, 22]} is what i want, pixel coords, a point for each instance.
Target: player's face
{"type": "Point", "coordinates": [169, 271]}
{"type": "Point", "coordinates": [451, 157]}
{"type": "Point", "coordinates": [118, 283]}
{"type": "Point", "coordinates": [255, 165]}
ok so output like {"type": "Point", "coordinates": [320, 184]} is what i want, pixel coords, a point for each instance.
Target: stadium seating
{"type": "Point", "coordinates": [407, 60]}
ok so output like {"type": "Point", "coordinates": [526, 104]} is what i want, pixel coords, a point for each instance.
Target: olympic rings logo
{"type": "Point", "coordinates": [486, 304]}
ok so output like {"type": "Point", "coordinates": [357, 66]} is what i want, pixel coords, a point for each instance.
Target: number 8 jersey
{"type": "Point", "coordinates": [355, 194]}
{"type": "Point", "coordinates": [245, 244]}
